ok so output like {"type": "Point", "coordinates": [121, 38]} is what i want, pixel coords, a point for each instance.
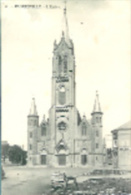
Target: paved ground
{"type": "Point", "coordinates": [33, 181]}
{"type": "Point", "coordinates": [30, 181]}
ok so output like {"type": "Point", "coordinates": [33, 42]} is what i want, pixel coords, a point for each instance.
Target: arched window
{"type": "Point", "coordinates": [62, 126]}
{"type": "Point", "coordinates": [30, 146]}
{"type": "Point", "coordinates": [97, 133]}
{"type": "Point", "coordinates": [31, 134]}
{"type": "Point", "coordinates": [84, 130]}
{"type": "Point", "coordinates": [97, 145]}
{"type": "Point", "coordinates": [43, 130]}
{"type": "Point", "coordinates": [60, 64]}
{"type": "Point", "coordinates": [65, 63]}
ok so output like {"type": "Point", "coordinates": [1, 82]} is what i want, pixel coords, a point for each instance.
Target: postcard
{"type": "Point", "coordinates": [66, 125]}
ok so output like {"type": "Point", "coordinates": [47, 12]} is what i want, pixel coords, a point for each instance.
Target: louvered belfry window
{"type": "Point", "coordinates": [65, 63]}
{"type": "Point", "coordinates": [59, 64]}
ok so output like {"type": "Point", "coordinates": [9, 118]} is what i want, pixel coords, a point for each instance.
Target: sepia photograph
{"type": "Point", "coordinates": [65, 118]}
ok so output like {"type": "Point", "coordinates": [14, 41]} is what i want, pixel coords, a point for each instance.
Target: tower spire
{"type": "Point", "coordinates": [33, 110]}
{"type": "Point", "coordinates": [65, 30]}
{"type": "Point", "coordinates": [97, 107]}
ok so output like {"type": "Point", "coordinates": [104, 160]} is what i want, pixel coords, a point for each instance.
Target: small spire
{"type": "Point", "coordinates": [33, 110]}
{"type": "Point", "coordinates": [97, 107]}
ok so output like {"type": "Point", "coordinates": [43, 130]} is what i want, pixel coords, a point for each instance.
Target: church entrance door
{"type": "Point", "coordinates": [84, 159]}
{"type": "Point", "coordinates": [43, 159]}
{"type": "Point", "coordinates": [62, 159]}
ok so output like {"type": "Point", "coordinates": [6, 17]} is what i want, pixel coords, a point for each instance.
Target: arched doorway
{"type": "Point", "coordinates": [61, 149]}
{"type": "Point", "coordinates": [43, 157]}
{"type": "Point", "coordinates": [84, 157]}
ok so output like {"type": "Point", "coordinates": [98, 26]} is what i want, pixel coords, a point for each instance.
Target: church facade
{"type": "Point", "coordinates": [65, 139]}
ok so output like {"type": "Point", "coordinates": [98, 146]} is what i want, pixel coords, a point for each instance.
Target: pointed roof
{"type": "Point", "coordinates": [33, 110]}
{"type": "Point", "coordinates": [65, 30]}
{"type": "Point", "coordinates": [97, 107]}
{"type": "Point", "coordinates": [65, 39]}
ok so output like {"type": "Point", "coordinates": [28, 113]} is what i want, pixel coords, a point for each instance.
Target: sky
{"type": "Point", "coordinates": [100, 30]}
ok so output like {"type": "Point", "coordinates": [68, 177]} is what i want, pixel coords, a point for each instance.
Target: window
{"type": "Point", "coordinates": [65, 64]}
{"type": "Point", "coordinates": [30, 147]}
{"type": "Point", "coordinates": [97, 145]}
{"type": "Point", "coordinates": [31, 134]}
{"type": "Point", "coordinates": [84, 130]}
{"type": "Point", "coordinates": [59, 64]}
{"type": "Point", "coordinates": [30, 122]}
{"type": "Point", "coordinates": [115, 136]}
{"type": "Point", "coordinates": [43, 130]}
{"type": "Point", "coordinates": [98, 119]}
{"type": "Point", "coordinates": [97, 133]}
{"type": "Point", "coordinates": [62, 125]}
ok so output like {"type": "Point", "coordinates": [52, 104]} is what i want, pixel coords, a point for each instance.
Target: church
{"type": "Point", "coordinates": [65, 139]}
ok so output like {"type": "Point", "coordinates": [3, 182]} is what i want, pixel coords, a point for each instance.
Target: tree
{"type": "Point", "coordinates": [5, 150]}
{"type": "Point", "coordinates": [17, 155]}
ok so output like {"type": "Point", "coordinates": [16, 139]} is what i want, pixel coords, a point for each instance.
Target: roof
{"type": "Point", "coordinates": [125, 126]}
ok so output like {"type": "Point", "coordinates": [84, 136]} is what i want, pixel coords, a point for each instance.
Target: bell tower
{"type": "Point", "coordinates": [97, 141]}
{"type": "Point", "coordinates": [63, 113]}
{"type": "Point", "coordinates": [33, 123]}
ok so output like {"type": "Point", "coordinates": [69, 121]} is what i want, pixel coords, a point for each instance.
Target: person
{"type": "Point", "coordinates": [3, 173]}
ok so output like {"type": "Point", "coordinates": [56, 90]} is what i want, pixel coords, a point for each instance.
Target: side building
{"type": "Point", "coordinates": [121, 140]}
{"type": "Point", "coordinates": [65, 139]}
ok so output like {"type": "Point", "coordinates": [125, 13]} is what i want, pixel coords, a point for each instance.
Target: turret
{"type": "Point", "coordinates": [97, 113]}
{"type": "Point", "coordinates": [33, 123]}
{"type": "Point", "coordinates": [97, 131]}
{"type": "Point", "coordinates": [33, 118]}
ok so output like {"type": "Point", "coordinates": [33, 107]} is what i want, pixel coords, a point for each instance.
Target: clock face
{"type": "Point", "coordinates": [62, 126]}
{"type": "Point", "coordinates": [62, 89]}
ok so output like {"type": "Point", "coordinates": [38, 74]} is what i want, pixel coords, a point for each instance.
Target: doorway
{"type": "Point", "coordinates": [83, 159]}
{"type": "Point", "coordinates": [43, 159]}
{"type": "Point", "coordinates": [62, 159]}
